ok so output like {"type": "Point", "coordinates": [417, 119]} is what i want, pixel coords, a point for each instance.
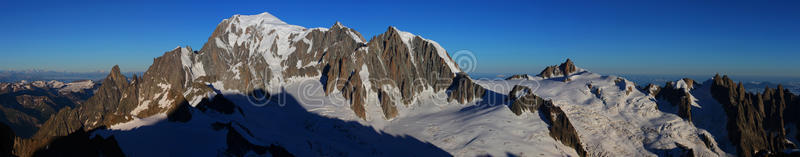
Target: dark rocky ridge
{"type": "Point", "coordinates": [25, 106]}
{"type": "Point", "coordinates": [523, 99]}
{"type": "Point", "coordinates": [564, 69]}
{"type": "Point", "coordinates": [115, 100]}
{"type": "Point", "coordinates": [678, 97]}
{"type": "Point", "coordinates": [519, 77]}
{"type": "Point", "coordinates": [560, 127]}
{"type": "Point", "coordinates": [652, 89]}
{"type": "Point", "coordinates": [464, 90]}
{"type": "Point", "coordinates": [755, 121]}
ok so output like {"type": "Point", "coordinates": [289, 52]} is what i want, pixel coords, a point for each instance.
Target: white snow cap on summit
{"type": "Point", "coordinates": [263, 18]}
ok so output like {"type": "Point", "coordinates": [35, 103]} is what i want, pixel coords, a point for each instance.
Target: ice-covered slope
{"type": "Point", "coordinates": [614, 122]}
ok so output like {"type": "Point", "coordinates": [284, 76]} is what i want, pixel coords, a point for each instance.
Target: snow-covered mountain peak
{"type": "Point", "coordinates": [408, 39]}
{"type": "Point", "coordinates": [338, 24]}
{"type": "Point", "coordinates": [263, 18]}
{"type": "Point", "coordinates": [263, 26]}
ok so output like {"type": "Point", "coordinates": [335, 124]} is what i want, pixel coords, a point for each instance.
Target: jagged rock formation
{"type": "Point", "coordinates": [389, 110]}
{"type": "Point", "coordinates": [755, 121]}
{"type": "Point", "coordinates": [560, 127]}
{"type": "Point", "coordinates": [677, 94]}
{"type": "Point", "coordinates": [117, 100]}
{"type": "Point", "coordinates": [520, 77]}
{"type": "Point", "coordinates": [26, 105]}
{"type": "Point", "coordinates": [522, 99]}
{"type": "Point", "coordinates": [262, 52]}
{"type": "Point", "coordinates": [564, 69]}
{"type": "Point", "coordinates": [464, 90]}
{"type": "Point", "coordinates": [652, 89]}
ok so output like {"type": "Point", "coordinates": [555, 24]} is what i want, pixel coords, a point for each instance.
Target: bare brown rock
{"type": "Point", "coordinates": [564, 69]}
{"type": "Point", "coordinates": [755, 121]}
{"type": "Point", "coordinates": [389, 110]}
{"type": "Point", "coordinates": [522, 100]}
{"type": "Point", "coordinates": [677, 97]}
{"type": "Point", "coordinates": [464, 90]}
{"type": "Point", "coordinates": [519, 77]}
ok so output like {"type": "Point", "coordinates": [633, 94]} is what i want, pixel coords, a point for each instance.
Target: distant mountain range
{"type": "Point", "coordinates": [751, 83]}
{"type": "Point", "coordinates": [45, 75]}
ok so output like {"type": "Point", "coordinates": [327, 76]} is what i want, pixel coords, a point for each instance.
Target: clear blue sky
{"type": "Point", "coordinates": [637, 37]}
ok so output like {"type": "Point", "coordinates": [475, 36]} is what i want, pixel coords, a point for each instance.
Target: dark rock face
{"type": "Point", "coordinates": [564, 69]}
{"type": "Point", "coordinates": [411, 70]}
{"type": "Point", "coordinates": [7, 137]}
{"type": "Point", "coordinates": [755, 121]}
{"type": "Point", "coordinates": [389, 110]}
{"type": "Point", "coordinates": [560, 127]}
{"type": "Point", "coordinates": [463, 90]}
{"type": "Point", "coordinates": [652, 89]}
{"type": "Point", "coordinates": [792, 107]}
{"type": "Point", "coordinates": [519, 77]}
{"type": "Point", "coordinates": [678, 97]}
{"type": "Point", "coordinates": [523, 99]}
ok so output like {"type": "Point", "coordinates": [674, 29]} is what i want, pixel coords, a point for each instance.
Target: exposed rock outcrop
{"type": "Point", "coordinates": [755, 121]}
{"type": "Point", "coordinates": [523, 99]}
{"type": "Point", "coordinates": [677, 94]}
{"type": "Point", "coordinates": [564, 69]}
{"type": "Point", "coordinates": [464, 90]}
{"type": "Point", "coordinates": [560, 127]}
{"type": "Point", "coordinates": [389, 110]}
{"type": "Point", "coordinates": [520, 77]}
{"type": "Point", "coordinates": [652, 89]}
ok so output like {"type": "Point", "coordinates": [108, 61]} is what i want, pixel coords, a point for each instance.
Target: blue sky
{"type": "Point", "coordinates": [618, 37]}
